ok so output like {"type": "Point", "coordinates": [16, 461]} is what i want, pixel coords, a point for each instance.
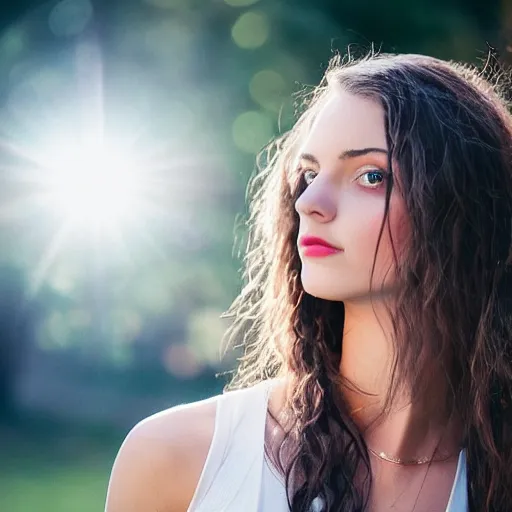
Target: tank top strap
{"type": "Point", "coordinates": [458, 501]}
{"type": "Point", "coordinates": [231, 477]}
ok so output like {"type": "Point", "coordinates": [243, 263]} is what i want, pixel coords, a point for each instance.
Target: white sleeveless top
{"type": "Point", "coordinates": [238, 477]}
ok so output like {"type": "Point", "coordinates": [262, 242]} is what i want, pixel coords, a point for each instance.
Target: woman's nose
{"type": "Point", "coordinates": [317, 201]}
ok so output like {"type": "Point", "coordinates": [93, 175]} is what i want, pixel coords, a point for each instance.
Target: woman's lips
{"type": "Point", "coordinates": [318, 251]}
{"type": "Point", "coordinates": [317, 247]}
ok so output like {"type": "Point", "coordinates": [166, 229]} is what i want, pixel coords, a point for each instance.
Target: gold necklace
{"type": "Point", "coordinates": [411, 462]}
{"type": "Point", "coordinates": [396, 460]}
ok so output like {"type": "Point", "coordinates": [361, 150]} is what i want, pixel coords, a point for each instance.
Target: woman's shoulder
{"type": "Point", "coordinates": [160, 461]}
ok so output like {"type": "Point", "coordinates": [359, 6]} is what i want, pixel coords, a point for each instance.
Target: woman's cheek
{"type": "Point", "coordinates": [371, 227]}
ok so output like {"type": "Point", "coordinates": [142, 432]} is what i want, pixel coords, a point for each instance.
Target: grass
{"type": "Point", "coordinates": [54, 468]}
{"type": "Point", "coordinates": [75, 488]}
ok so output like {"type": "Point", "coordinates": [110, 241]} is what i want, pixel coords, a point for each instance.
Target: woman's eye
{"type": "Point", "coordinates": [375, 178]}
{"type": "Point", "coordinates": [309, 176]}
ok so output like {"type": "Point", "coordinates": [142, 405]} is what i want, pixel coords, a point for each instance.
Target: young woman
{"type": "Point", "coordinates": [377, 314]}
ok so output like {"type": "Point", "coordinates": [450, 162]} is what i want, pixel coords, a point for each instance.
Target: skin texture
{"type": "Point", "coordinates": [160, 461]}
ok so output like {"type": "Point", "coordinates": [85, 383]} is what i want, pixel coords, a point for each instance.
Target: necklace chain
{"type": "Point", "coordinates": [401, 462]}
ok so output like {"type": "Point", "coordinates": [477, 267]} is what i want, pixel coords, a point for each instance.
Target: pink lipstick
{"type": "Point", "coordinates": [316, 247]}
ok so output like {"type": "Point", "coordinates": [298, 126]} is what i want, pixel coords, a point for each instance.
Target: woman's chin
{"type": "Point", "coordinates": [323, 292]}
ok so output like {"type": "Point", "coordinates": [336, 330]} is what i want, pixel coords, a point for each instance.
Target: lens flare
{"type": "Point", "coordinates": [94, 187]}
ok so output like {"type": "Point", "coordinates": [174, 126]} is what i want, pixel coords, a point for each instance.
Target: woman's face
{"type": "Point", "coordinates": [344, 162]}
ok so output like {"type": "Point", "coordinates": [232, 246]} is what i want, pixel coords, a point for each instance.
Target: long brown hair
{"type": "Point", "coordinates": [450, 133]}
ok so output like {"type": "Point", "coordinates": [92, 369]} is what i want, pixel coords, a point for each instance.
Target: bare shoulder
{"type": "Point", "coordinates": [160, 461]}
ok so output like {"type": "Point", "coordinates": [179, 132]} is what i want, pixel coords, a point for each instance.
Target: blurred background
{"type": "Point", "coordinates": [128, 131]}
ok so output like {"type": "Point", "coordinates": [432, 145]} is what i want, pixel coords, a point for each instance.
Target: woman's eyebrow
{"type": "Point", "coordinates": [353, 153]}
{"type": "Point", "coordinates": [349, 153]}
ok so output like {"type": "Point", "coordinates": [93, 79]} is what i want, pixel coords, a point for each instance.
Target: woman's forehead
{"type": "Point", "coordinates": [344, 121]}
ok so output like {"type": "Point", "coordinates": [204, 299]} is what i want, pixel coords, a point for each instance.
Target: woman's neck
{"type": "Point", "coordinates": [412, 427]}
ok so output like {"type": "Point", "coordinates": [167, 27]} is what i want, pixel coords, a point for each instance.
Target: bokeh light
{"type": "Point", "coordinates": [251, 30]}
{"type": "Point", "coordinates": [252, 130]}
{"type": "Point", "coordinates": [181, 362]}
{"type": "Point", "coordinates": [65, 277]}
{"type": "Point", "coordinates": [205, 332]}
{"type": "Point", "coordinates": [268, 88]}
{"type": "Point", "coordinates": [12, 42]}
{"type": "Point", "coordinates": [127, 323]}
{"type": "Point", "coordinates": [55, 331]}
